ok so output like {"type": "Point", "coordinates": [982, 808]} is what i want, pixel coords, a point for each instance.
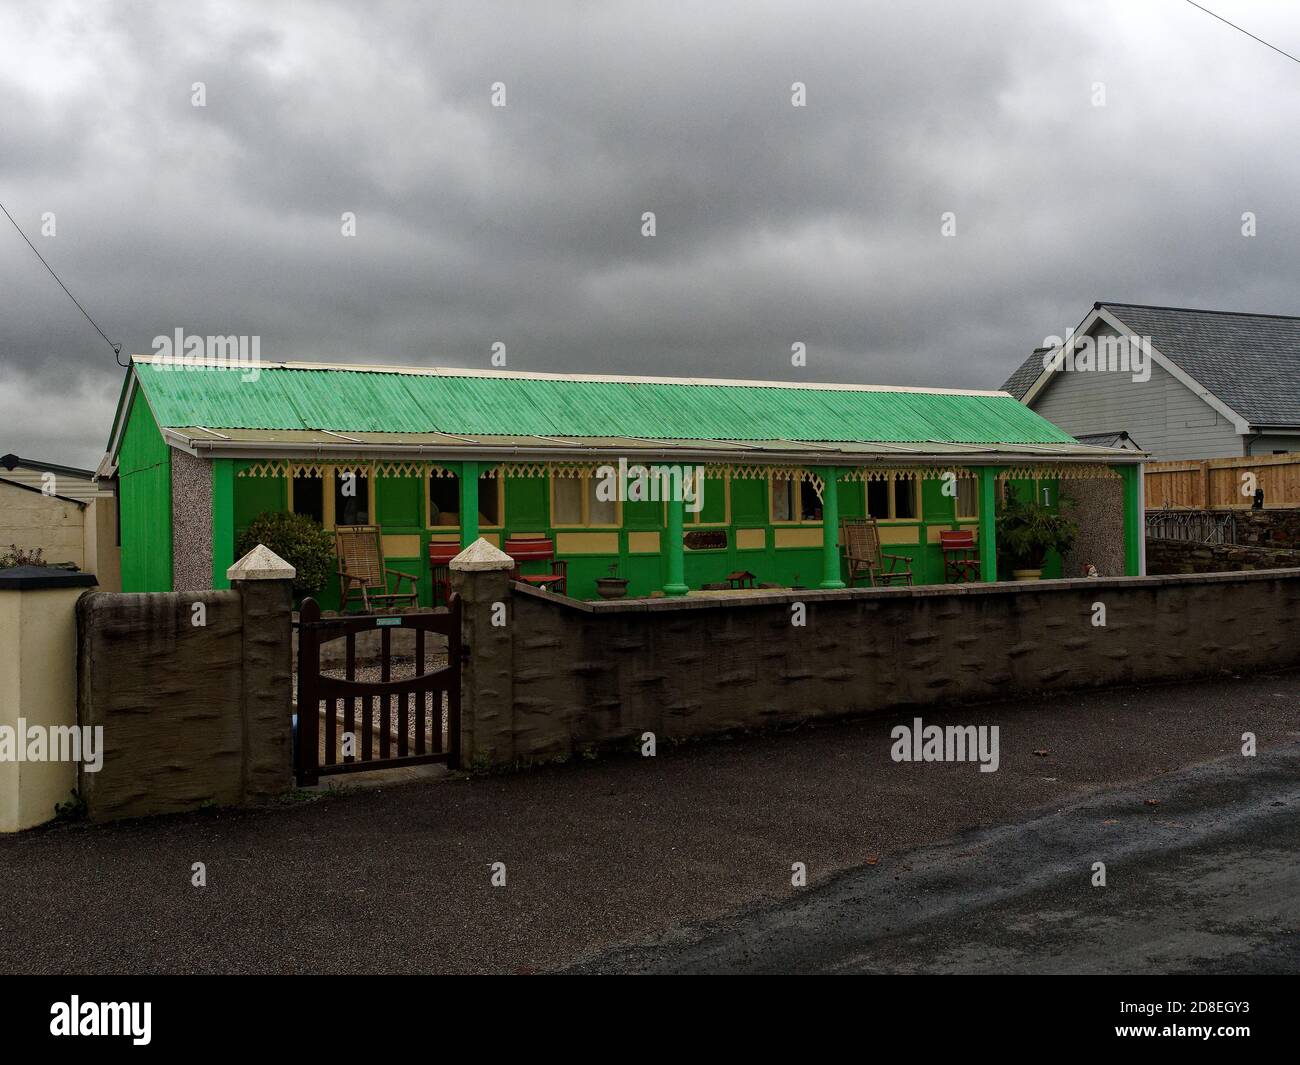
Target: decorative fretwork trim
{"type": "Point", "coordinates": [878, 473]}
{"type": "Point", "coordinates": [265, 469]}
{"type": "Point", "coordinates": [1059, 472]}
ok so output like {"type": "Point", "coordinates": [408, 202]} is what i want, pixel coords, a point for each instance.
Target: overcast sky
{"type": "Point", "coordinates": [523, 224]}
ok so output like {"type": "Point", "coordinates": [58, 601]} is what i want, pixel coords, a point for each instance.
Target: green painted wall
{"type": "Point", "coordinates": [145, 499]}
{"type": "Point", "coordinates": [401, 506]}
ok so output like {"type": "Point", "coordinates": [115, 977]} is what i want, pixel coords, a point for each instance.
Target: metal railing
{"type": "Point", "coordinates": [1192, 526]}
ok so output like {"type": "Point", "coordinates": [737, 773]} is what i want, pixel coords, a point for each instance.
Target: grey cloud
{"type": "Point", "coordinates": [522, 225]}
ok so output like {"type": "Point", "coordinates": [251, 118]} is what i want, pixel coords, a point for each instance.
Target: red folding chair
{"type": "Point", "coordinates": [536, 549]}
{"type": "Point", "coordinates": [440, 555]}
{"type": "Point", "coordinates": [960, 555]}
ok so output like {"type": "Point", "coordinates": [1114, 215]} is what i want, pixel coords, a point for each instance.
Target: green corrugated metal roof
{"type": "Point", "coordinates": [348, 400]}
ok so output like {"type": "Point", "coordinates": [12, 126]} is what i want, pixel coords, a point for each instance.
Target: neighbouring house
{"type": "Point", "coordinates": [69, 513]}
{"type": "Point", "coordinates": [448, 455]}
{"type": "Point", "coordinates": [1220, 385]}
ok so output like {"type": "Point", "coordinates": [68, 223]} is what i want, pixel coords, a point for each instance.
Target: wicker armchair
{"type": "Point", "coordinates": [862, 552]}
{"type": "Point", "coordinates": [362, 573]}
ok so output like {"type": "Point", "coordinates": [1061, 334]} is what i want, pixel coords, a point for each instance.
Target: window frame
{"type": "Point", "coordinates": [892, 496]}
{"type": "Point", "coordinates": [455, 475]}
{"type": "Point", "coordinates": [585, 478]}
{"type": "Point", "coordinates": [329, 471]}
{"type": "Point", "coordinates": [956, 503]}
{"type": "Point", "coordinates": [798, 478]}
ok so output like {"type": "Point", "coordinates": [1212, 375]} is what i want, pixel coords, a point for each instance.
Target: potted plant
{"type": "Point", "coordinates": [613, 586]}
{"type": "Point", "coordinates": [1027, 531]}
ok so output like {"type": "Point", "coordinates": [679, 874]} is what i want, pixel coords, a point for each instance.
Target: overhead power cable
{"type": "Point", "coordinates": [117, 348]}
{"type": "Point", "coordinates": [1246, 32]}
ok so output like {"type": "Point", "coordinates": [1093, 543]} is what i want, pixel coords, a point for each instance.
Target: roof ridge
{"type": "Point", "coordinates": [581, 378]}
{"type": "Point", "coordinates": [1194, 310]}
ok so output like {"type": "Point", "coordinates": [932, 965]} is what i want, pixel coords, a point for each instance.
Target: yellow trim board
{"type": "Point", "coordinates": [899, 534]}
{"type": "Point", "coordinates": [751, 539]}
{"type": "Point", "coordinates": [401, 545]}
{"type": "Point", "coordinates": [643, 543]}
{"type": "Point", "coordinates": [800, 537]}
{"type": "Point", "coordinates": [593, 543]}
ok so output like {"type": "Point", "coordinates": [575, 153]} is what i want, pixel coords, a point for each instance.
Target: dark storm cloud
{"type": "Point", "coordinates": [522, 224]}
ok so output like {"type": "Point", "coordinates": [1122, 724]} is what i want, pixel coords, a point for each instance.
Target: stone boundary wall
{"type": "Point", "coordinates": [1268, 528]}
{"type": "Point", "coordinates": [1182, 556]}
{"type": "Point", "coordinates": [563, 676]}
{"type": "Point", "coordinates": [192, 715]}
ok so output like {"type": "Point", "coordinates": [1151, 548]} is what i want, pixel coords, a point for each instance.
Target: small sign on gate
{"type": "Point", "coordinates": [388, 621]}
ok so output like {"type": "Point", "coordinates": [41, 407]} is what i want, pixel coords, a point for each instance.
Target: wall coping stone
{"type": "Point", "coordinates": [816, 595]}
{"type": "Point", "coordinates": [28, 578]}
{"type": "Point", "coordinates": [481, 557]}
{"type": "Point", "coordinates": [261, 564]}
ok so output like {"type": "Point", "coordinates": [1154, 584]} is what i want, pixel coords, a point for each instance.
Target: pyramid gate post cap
{"type": "Point", "coordinates": [481, 557]}
{"type": "Point", "coordinates": [261, 564]}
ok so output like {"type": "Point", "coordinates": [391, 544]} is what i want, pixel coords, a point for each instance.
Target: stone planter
{"type": "Point", "coordinates": [611, 587]}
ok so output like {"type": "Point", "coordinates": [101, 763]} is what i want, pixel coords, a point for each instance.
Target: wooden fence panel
{"type": "Point", "coordinates": [1203, 484]}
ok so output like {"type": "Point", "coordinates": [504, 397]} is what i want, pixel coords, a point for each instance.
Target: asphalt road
{"type": "Point", "coordinates": [1208, 881]}
{"type": "Point", "coordinates": [624, 849]}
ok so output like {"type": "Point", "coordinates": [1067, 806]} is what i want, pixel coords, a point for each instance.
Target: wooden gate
{"type": "Point", "coordinates": [414, 722]}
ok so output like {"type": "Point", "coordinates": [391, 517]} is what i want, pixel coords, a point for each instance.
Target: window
{"type": "Point", "coordinates": [309, 497]}
{"type": "Point", "coordinates": [793, 499]}
{"type": "Point", "coordinates": [489, 500]}
{"type": "Point", "coordinates": [968, 497]}
{"type": "Point", "coordinates": [351, 497]}
{"type": "Point", "coordinates": [894, 499]}
{"type": "Point", "coordinates": [878, 500]}
{"type": "Point", "coordinates": [444, 501]}
{"type": "Point", "coordinates": [574, 501]}
{"type": "Point", "coordinates": [566, 508]}
{"type": "Point", "coordinates": [904, 498]}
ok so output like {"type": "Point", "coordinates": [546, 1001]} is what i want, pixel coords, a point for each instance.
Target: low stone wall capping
{"type": "Point", "coordinates": [563, 676]}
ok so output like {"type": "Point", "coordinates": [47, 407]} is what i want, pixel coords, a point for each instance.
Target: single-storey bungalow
{"type": "Point", "coordinates": [449, 455]}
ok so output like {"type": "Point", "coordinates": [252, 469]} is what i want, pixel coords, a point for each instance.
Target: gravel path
{"type": "Point", "coordinates": [390, 718]}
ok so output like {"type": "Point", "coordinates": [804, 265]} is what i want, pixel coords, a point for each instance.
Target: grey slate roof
{"type": "Point", "coordinates": [1117, 439]}
{"type": "Point", "coordinates": [1026, 374]}
{"type": "Point", "coordinates": [1249, 361]}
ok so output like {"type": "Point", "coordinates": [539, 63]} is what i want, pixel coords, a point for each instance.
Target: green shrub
{"type": "Point", "coordinates": [299, 541]}
{"type": "Point", "coordinates": [17, 556]}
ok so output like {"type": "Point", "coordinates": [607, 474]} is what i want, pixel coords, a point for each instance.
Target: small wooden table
{"type": "Point", "coordinates": [742, 578]}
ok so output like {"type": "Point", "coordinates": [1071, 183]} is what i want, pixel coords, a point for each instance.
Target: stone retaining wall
{"type": "Point", "coordinates": [1181, 556]}
{"type": "Point", "coordinates": [561, 676]}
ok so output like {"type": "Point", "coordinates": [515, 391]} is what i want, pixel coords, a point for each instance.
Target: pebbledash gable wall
{"type": "Point", "coordinates": [1098, 508]}
{"type": "Point", "coordinates": [191, 522]}
{"type": "Point", "coordinates": [561, 677]}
